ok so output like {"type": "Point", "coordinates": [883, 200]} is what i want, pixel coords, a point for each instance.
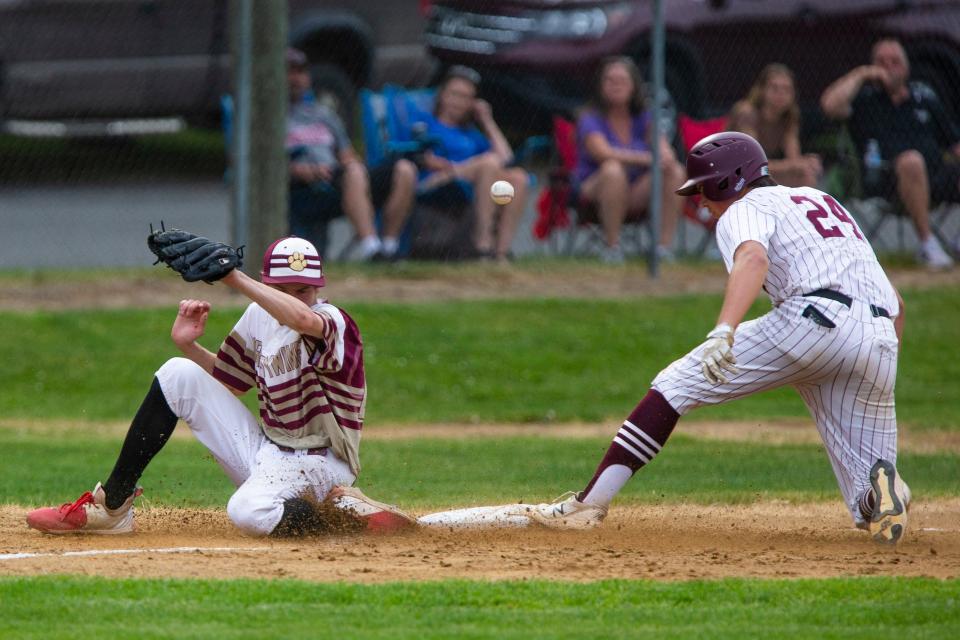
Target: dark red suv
{"type": "Point", "coordinates": [544, 52]}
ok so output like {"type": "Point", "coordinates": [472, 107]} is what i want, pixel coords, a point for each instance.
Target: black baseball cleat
{"type": "Point", "coordinates": [889, 520]}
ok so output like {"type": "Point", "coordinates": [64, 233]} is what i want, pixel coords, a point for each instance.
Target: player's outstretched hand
{"type": "Point", "coordinates": [191, 322]}
{"type": "Point", "coordinates": [718, 355]}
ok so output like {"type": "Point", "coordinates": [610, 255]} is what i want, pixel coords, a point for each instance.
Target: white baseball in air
{"type": "Point", "coordinates": [501, 192]}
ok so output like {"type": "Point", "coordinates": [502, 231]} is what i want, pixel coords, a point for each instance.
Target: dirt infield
{"type": "Point", "coordinates": [771, 539]}
{"type": "Point", "coordinates": [662, 542]}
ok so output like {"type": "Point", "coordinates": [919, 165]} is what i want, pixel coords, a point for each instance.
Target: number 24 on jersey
{"type": "Point", "coordinates": [820, 217]}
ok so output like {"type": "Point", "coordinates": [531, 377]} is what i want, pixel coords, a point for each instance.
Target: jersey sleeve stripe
{"type": "Point", "coordinates": [233, 381]}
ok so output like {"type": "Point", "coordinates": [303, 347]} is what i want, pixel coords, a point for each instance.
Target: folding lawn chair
{"type": "Point", "coordinates": [390, 120]}
{"type": "Point", "coordinates": [561, 198]}
{"type": "Point", "coordinates": [692, 131]}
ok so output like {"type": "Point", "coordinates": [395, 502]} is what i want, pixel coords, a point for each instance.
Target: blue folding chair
{"type": "Point", "coordinates": [390, 128]}
{"type": "Point", "coordinates": [390, 120]}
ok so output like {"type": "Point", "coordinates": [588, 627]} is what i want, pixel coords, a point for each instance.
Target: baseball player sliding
{"type": "Point", "coordinates": [293, 469]}
{"type": "Point", "coordinates": [833, 335]}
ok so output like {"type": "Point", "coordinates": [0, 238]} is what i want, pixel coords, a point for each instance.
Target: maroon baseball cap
{"type": "Point", "coordinates": [292, 260]}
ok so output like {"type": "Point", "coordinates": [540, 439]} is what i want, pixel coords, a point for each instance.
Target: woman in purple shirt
{"type": "Point", "coordinates": [614, 158]}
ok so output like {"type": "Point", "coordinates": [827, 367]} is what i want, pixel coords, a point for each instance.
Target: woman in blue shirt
{"type": "Point", "coordinates": [470, 146]}
{"type": "Point", "coordinates": [614, 158]}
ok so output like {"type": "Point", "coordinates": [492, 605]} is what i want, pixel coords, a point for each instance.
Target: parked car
{"type": "Point", "coordinates": [544, 54]}
{"type": "Point", "coordinates": [91, 60]}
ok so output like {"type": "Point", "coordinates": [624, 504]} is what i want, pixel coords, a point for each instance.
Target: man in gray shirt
{"type": "Point", "coordinates": [328, 179]}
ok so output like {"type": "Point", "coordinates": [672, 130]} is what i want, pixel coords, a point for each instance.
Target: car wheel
{"type": "Point", "coordinates": [334, 90]}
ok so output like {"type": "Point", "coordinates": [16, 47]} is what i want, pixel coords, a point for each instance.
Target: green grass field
{"type": "Point", "coordinates": [436, 473]}
{"type": "Point", "coordinates": [842, 609]}
{"type": "Point", "coordinates": [518, 361]}
{"type": "Point", "coordinates": [481, 361]}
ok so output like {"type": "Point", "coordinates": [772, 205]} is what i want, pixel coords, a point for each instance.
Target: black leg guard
{"type": "Point", "coordinates": [149, 431]}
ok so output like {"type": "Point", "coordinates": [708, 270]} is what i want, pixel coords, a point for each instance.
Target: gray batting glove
{"type": "Point", "coordinates": [718, 355]}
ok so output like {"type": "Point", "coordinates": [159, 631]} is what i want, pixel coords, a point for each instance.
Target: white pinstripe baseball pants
{"type": "Point", "coordinates": [846, 376]}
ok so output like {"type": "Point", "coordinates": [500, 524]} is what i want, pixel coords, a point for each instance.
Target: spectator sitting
{"type": "Point", "coordinates": [770, 114]}
{"type": "Point", "coordinates": [614, 158]}
{"type": "Point", "coordinates": [468, 145]}
{"type": "Point", "coordinates": [909, 124]}
{"type": "Point", "coordinates": [328, 180]}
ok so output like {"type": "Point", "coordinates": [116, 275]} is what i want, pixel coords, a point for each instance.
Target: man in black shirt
{"type": "Point", "coordinates": [905, 123]}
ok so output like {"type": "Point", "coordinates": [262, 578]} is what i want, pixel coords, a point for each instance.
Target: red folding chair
{"type": "Point", "coordinates": [561, 197]}
{"type": "Point", "coordinates": [691, 132]}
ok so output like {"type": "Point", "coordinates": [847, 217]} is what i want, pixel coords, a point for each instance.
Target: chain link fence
{"type": "Point", "coordinates": [99, 97]}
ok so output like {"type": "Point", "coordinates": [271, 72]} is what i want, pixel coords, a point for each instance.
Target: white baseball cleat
{"type": "Point", "coordinates": [378, 516]}
{"type": "Point", "coordinates": [566, 512]}
{"type": "Point", "coordinates": [888, 522]}
{"type": "Point", "coordinates": [88, 514]}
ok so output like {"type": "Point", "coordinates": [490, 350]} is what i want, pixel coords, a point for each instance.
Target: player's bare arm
{"type": "Point", "coordinates": [745, 282]}
{"type": "Point", "coordinates": [743, 286]}
{"type": "Point", "coordinates": [188, 327]}
{"type": "Point", "coordinates": [286, 308]}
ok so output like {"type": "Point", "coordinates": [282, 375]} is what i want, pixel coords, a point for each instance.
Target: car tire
{"type": "Point", "coordinates": [334, 89]}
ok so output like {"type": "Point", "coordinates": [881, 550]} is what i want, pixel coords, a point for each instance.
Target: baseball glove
{"type": "Point", "coordinates": [194, 257]}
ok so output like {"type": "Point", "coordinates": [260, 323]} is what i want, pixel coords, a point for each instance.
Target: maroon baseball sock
{"type": "Point", "coordinates": [637, 442]}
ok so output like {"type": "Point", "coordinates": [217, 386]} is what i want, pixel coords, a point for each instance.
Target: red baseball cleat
{"type": "Point", "coordinates": [88, 514]}
{"type": "Point", "coordinates": [379, 517]}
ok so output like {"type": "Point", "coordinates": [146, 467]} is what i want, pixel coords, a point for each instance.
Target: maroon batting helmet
{"type": "Point", "coordinates": [723, 164]}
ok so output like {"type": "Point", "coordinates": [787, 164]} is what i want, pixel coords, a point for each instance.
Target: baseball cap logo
{"type": "Point", "coordinates": [297, 261]}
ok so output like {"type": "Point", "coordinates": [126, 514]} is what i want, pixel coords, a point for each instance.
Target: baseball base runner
{"type": "Point", "coordinates": [833, 334]}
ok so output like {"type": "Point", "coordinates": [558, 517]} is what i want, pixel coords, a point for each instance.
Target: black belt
{"type": "Point", "coordinates": [842, 298]}
{"type": "Point", "coordinates": [317, 451]}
